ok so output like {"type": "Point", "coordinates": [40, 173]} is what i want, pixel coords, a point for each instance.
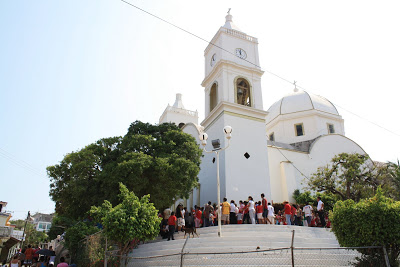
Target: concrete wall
{"type": "Point", "coordinates": [314, 125]}
{"type": "Point", "coordinates": [322, 151]}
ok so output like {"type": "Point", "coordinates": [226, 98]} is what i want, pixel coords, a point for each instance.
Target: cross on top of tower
{"type": "Point", "coordinates": [229, 23]}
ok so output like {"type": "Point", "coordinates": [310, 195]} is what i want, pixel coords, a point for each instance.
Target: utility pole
{"type": "Point", "coordinates": [23, 234]}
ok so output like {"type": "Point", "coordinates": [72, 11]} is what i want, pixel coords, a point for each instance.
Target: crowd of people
{"type": "Point", "coordinates": [244, 212]}
{"type": "Point", "coordinates": [31, 256]}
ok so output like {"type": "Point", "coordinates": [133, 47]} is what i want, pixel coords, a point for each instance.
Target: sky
{"type": "Point", "coordinates": [72, 72]}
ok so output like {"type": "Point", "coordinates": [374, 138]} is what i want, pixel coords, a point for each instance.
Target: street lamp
{"type": "Point", "coordinates": [216, 145]}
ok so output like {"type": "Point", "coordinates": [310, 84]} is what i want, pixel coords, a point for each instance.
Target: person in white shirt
{"type": "Point", "coordinates": [232, 213]}
{"type": "Point", "coordinates": [271, 214]}
{"type": "Point", "coordinates": [320, 209]}
{"type": "Point", "coordinates": [308, 213]}
{"type": "Point", "coordinates": [252, 210]}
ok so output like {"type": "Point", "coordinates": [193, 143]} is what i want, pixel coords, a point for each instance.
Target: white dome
{"type": "Point", "coordinates": [300, 101]}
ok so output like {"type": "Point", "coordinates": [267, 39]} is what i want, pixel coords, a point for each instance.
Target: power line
{"type": "Point", "coordinates": [20, 163]}
{"type": "Point", "coordinates": [270, 72]}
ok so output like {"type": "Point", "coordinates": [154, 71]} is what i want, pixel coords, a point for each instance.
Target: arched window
{"type": "Point", "coordinates": [181, 125]}
{"type": "Point", "coordinates": [213, 96]}
{"type": "Point", "coordinates": [243, 96]}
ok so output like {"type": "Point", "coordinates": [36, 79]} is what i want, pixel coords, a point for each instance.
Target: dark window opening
{"type": "Point", "coordinates": [272, 137]}
{"type": "Point", "coordinates": [331, 128]}
{"type": "Point", "coordinates": [299, 129]}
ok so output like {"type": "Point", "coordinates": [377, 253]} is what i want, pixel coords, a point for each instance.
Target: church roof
{"type": "Point", "coordinates": [300, 101]}
{"type": "Point", "coordinates": [303, 146]}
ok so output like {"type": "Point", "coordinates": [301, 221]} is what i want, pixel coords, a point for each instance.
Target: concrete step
{"type": "Point", "coordinates": [282, 258]}
{"type": "Point", "coordinates": [244, 238]}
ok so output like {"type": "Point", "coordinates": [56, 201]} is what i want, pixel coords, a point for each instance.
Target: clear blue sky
{"type": "Point", "coordinates": [72, 72]}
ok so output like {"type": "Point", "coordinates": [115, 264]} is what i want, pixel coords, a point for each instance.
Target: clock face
{"type": "Point", "coordinates": [213, 59]}
{"type": "Point", "coordinates": [241, 53]}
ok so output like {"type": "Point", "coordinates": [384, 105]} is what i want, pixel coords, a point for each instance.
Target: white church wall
{"type": "Point", "coordinates": [208, 169]}
{"type": "Point", "coordinates": [315, 123]}
{"type": "Point", "coordinates": [322, 151]}
{"type": "Point", "coordinates": [246, 176]}
{"type": "Point", "coordinates": [323, 122]}
{"type": "Point", "coordinates": [208, 53]}
{"type": "Point", "coordinates": [288, 180]}
{"type": "Point", "coordinates": [326, 147]}
{"type": "Point", "coordinates": [191, 129]}
{"type": "Point", "coordinates": [309, 127]}
{"type": "Point", "coordinates": [278, 183]}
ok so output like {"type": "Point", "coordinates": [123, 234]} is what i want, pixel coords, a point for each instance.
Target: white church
{"type": "Point", "coordinates": [270, 151]}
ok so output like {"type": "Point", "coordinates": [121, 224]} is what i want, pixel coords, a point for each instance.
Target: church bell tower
{"type": "Point", "coordinates": [233, 97]}
{"type": "Point", "coordinates": [232, 74]}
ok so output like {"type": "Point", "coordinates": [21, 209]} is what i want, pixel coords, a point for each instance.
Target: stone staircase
{"type": "Point", "coordinates": [255, 245]}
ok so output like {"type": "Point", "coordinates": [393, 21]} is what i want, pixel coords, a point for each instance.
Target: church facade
{"type": "Point", "coordinates": [271, 152]}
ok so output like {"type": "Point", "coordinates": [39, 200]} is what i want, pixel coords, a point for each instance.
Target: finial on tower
{"type": "Point", "coordinates": [295, 87]}
{"type": "Point", "coordinates": [228, 22]}
{"type": "Point", "coordinates": [228, 18]}
{"type": "Point", "coordinates": [178, 102]}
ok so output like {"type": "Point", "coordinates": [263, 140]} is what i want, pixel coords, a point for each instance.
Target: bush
{"type": "Point", "coordinates": [75, 235]}
{"type": "Point", "coordinates": [130, 221]}
{"type": "Point", "coordinates": [370, 222]}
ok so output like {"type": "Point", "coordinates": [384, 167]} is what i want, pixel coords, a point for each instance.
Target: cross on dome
{"type": "Point", "coordinates": [295, 87]}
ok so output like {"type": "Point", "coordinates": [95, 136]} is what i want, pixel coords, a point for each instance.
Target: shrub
{"type": "Point", "coordinates": [370, 222]}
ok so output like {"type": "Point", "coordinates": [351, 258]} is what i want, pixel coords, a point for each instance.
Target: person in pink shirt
{"type": "Point", "coordinates": [62, 263]}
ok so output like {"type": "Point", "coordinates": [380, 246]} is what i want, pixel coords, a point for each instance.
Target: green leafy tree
{"type": "Point", "coordinates": [159, 160]}
{"type": "Point", "coordinates": [370, 222]}
{"type": "Point", "coordinates": [19, 224]}
{"type": "Point", "coordinates": [58, 226]}
{"type": "Point", "coordinates": [349, 176]}
{"type": "Point", "coordinates": [133, 219]}
{"type": "Point", "coordinates": [75, 236]}
{"type": "Point", "coordinates": [394, 174]}
{"type": "Point", "coordinates": [303, 198]}
{"type": "Point", "coordinates": [327, 198]}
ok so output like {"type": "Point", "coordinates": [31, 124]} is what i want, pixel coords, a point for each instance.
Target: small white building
{"type": "Point", "coordinates": [283, 145]}
{"type": "Point", "coordinates": [42, 221]}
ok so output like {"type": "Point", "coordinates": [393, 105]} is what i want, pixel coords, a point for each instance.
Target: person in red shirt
{"type": "Point", "coordinates": [259, 210]}
{"type": "Point", "coordinates": [171, 225]}
{"type": "Point", "coordinates": [35, 254]}
{"type": "Point", "coordinates": [264, 203]}
{"type": "Point", "coordinates": [197, 219]}
{"type": "Point", "coordinates": [294, 211]}
{"type": "Point", "coordinates": [29, 255]}
{"type": "Point", "coordinates": [288, 212]}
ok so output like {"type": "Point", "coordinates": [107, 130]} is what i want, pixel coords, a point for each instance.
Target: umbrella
{"type": "Point", "coordinates": [45, 252]}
